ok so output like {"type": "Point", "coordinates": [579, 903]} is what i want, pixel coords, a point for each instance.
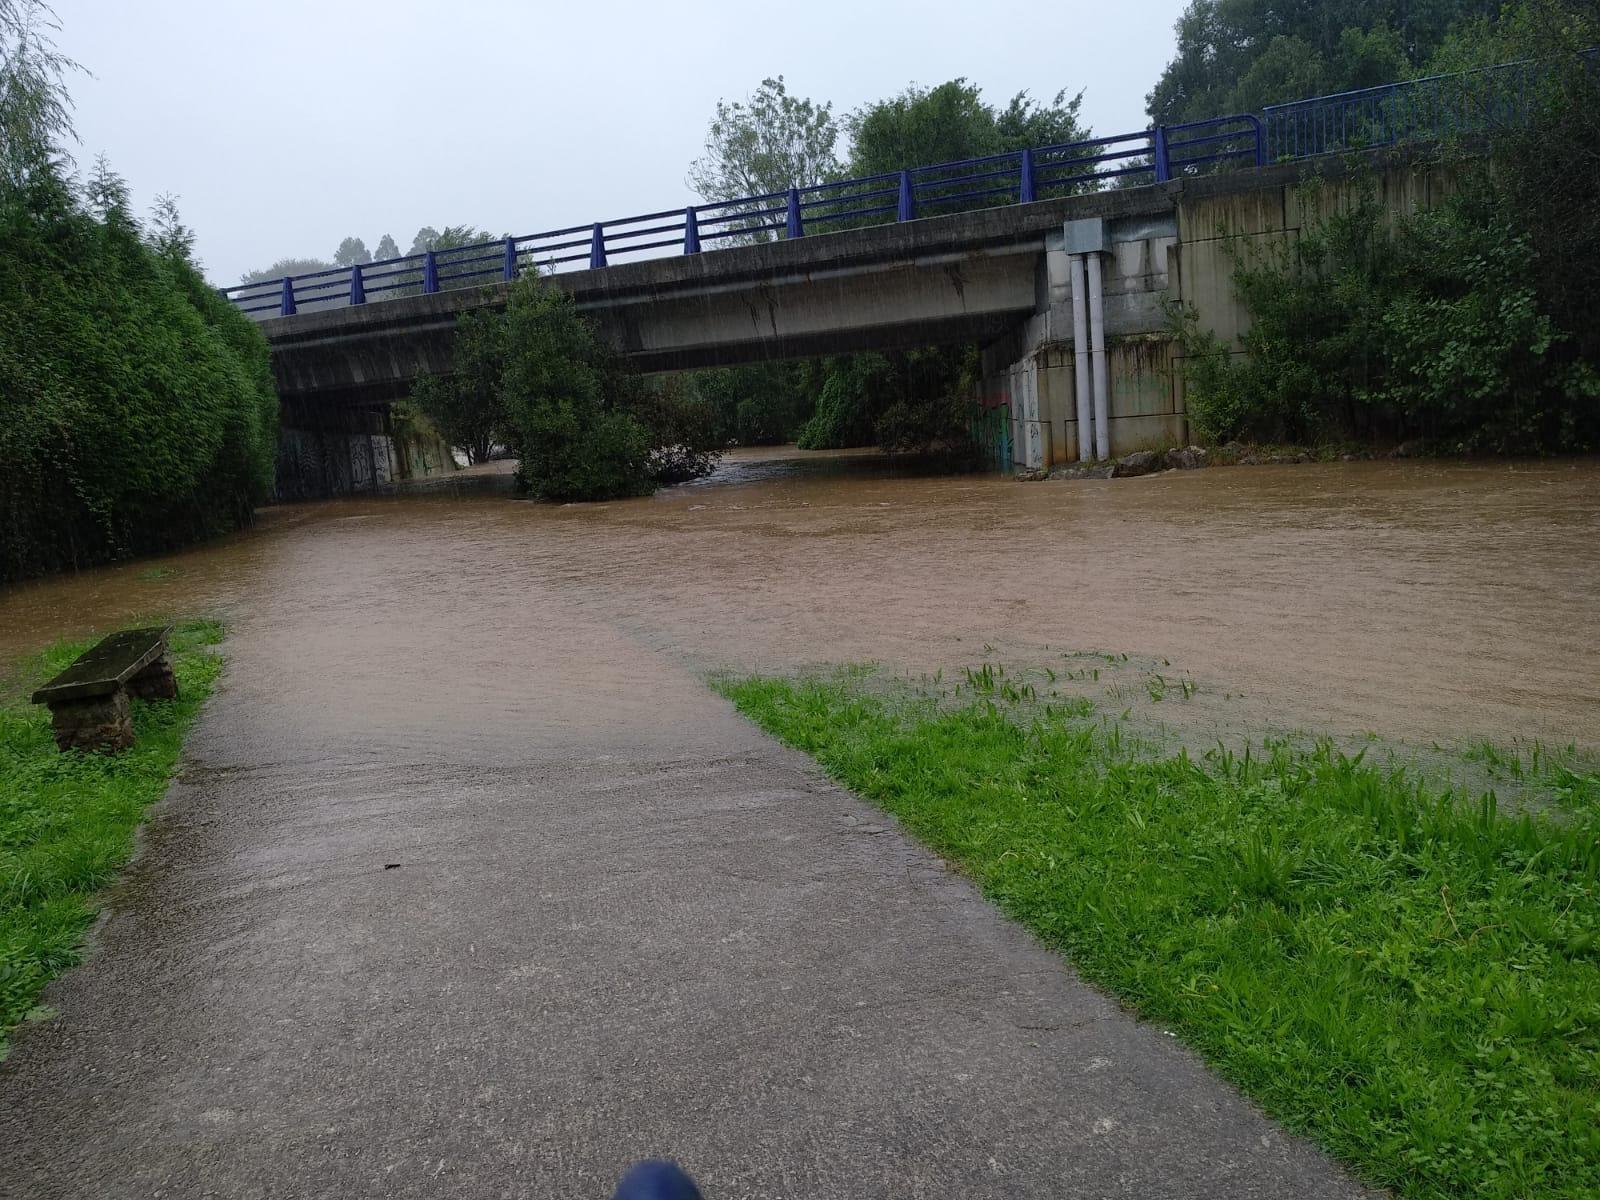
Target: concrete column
{"type": "Point", "coordinates": [1080, 360]}
{"type": "Point", "coordinates": [1097, 351]}
{"type": "Point", "coordinates": [1013, 408]}
{"type": "Point", "coordinates": [1025, 396]}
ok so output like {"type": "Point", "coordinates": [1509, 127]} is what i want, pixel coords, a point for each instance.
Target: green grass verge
{"type": "Point", "coordinates": [67, 820]}
{"type": "Point", "coordinates": [1412, 981]}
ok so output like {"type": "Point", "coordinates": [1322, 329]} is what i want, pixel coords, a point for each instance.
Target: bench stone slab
{"type": "Point", "coordinates": [89, 700]}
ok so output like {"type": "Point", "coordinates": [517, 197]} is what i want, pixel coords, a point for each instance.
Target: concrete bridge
{"type": "Point", "coordinates": [1069, 295]}
{"type": "Point", "coordinates": [968, 277]}
{"type": "Point", "coordinates": [1003, 278]}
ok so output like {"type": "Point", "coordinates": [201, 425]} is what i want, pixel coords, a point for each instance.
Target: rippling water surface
{"type": "Point", "coordinates": [1427, 600]}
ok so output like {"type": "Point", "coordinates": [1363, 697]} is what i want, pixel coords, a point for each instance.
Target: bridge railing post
{"type": "Point", "coordinates": [286, 303]}
{"type": "Point", "coordinates": [691, 231]}
{"type": "Point", "coordinates": [1158, 153]}
{"type": "Point", "coordinates": [906, 210]}
{"type": "Point", "coordinates": [358, 288]}
{"type": "Point", "coordinates": [597, 248]}
{"type": "Point", "coordinates": [1025, 191]}
{"type": "Point", "coordinates": [510, 268]}
{"type": "Point", "coordinates": [793, 227]}
{"type": "Point", "coordinates": [430, 274]}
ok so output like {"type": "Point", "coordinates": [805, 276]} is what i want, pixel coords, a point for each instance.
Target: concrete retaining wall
{"type": "Point", "coordinates": [1155, 261]}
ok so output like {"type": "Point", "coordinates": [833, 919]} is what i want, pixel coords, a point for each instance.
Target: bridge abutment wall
{"type": "Point", "coordinates": [1152, 263]}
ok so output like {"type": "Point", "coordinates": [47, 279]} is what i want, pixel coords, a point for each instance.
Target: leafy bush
{"type": "Point", "coordinates": [573, 450]}
{"type": "Point", "coordinates": [1471, 324]}
{"type": "Point", "coordinates": [852, 394]}
{"type": "Point", "coordinates": [902, 402]}
{"type": "Point", "coordinates": [1471, 354]}
{"type": "Point", "coordinates": [538, 378]}
{"type": "Point", "coordinates": [1381, 327]}
{"type": "Point", "coordinates": [1544, 180]}
{"type": "Point", "coordinates": [137, 410]}
{"type": "Point", "coordinates": [682, 427]}
{"type": "Point", "coordinates": [556, 387]}
{"type": "Point", "coordinates": [934, 407]}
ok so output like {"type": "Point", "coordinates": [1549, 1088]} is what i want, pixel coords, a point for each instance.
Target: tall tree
{"type": "Point", "coordinates": [35, 108]}
{"type": "Point", "coordinates": [766, 143]}
{"type": "Point", "coordinates": [924, 126]}
{"type": "Point", "coordinates": [352, 251]}
{"type": "Point", "coordinates": [387, 249]}
{"type": "Point", "coordinates": [168, 236]}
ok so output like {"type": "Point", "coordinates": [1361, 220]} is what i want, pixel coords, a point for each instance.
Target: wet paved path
{"type": "Point", "coordinates": [467, 892]}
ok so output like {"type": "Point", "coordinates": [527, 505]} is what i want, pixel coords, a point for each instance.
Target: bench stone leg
{"type": "Point", "coordinates": [155, 682]}
{"type": "Point", "coordinates": [99, 723]}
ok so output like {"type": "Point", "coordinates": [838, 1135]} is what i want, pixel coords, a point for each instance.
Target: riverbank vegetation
{"type": "Point", "coordinates": [1469, 325]}
{"type": "Point", "coordinates": [137, 410]}
{"type": "Point", "coordinates": [67, 820]}
{"type": "Point", "coordinates": [536, 379]}
{"type": "Point", "coordinates": [1410, 976]}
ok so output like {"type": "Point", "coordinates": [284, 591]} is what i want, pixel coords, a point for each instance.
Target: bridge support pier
{"type": "Point", "coordinates": [1078, 397]}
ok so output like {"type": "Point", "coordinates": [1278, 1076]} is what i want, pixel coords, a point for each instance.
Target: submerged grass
{"type": "Point", "coordinates": [1413, 981]}
{"type": "Point", "coordinates": [67, 820]}
{"type": "Point", "coordinates": [1562, 776]}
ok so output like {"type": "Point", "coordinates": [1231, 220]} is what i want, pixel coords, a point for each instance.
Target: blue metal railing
{"type": "Point", "coordinates": [1435, 108]}
{"type": "Point", "coordinates": [1016, 177]}
{"type": "Point", "coordinates": [1421, 109]}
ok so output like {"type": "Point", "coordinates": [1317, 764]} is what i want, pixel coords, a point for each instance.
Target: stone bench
{"type": "Point", "coordinates": [89, 700]}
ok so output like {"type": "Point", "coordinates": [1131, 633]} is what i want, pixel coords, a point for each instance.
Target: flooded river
{"type": "Point", "coordinates": [1417, 600]}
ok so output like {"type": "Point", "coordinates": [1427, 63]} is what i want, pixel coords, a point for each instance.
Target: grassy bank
{"type": "Point", "coordinates": [67, 820]}
{"type": "Point", "coordinates": [1413, 981]}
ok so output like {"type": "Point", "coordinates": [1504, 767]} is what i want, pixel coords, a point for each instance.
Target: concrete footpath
{"type": "Point", "coordinates": [460, 894]}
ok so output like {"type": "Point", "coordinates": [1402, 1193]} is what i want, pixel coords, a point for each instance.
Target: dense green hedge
{"type": "Point", "coordinates": [137, 410]}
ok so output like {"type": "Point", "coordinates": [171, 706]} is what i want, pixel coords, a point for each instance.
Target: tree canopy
{"type": "Point", "coordinates": [286, 266]}
{"type": "Point", "coordinates": [451, 237]}
{"type": "Point", "coordinates": [35, 107]}
{"type": "Point", "coordinates": [922, 126]}
{"type": "Point", "coordinates": [352, 251]}
{"type": "Point", "coordinates": [1239, 55]}
{"type": "Point", "coordinates": [137, 410]}
{"type": "Point", "coordinates": [765, 143]}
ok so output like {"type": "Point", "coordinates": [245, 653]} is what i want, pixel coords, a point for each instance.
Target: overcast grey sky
{"type": "Point", "coordinates": [285, 125]}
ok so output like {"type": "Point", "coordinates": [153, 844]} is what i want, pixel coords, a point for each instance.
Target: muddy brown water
{"type": "Point", "coordinates": [1419, 601]}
